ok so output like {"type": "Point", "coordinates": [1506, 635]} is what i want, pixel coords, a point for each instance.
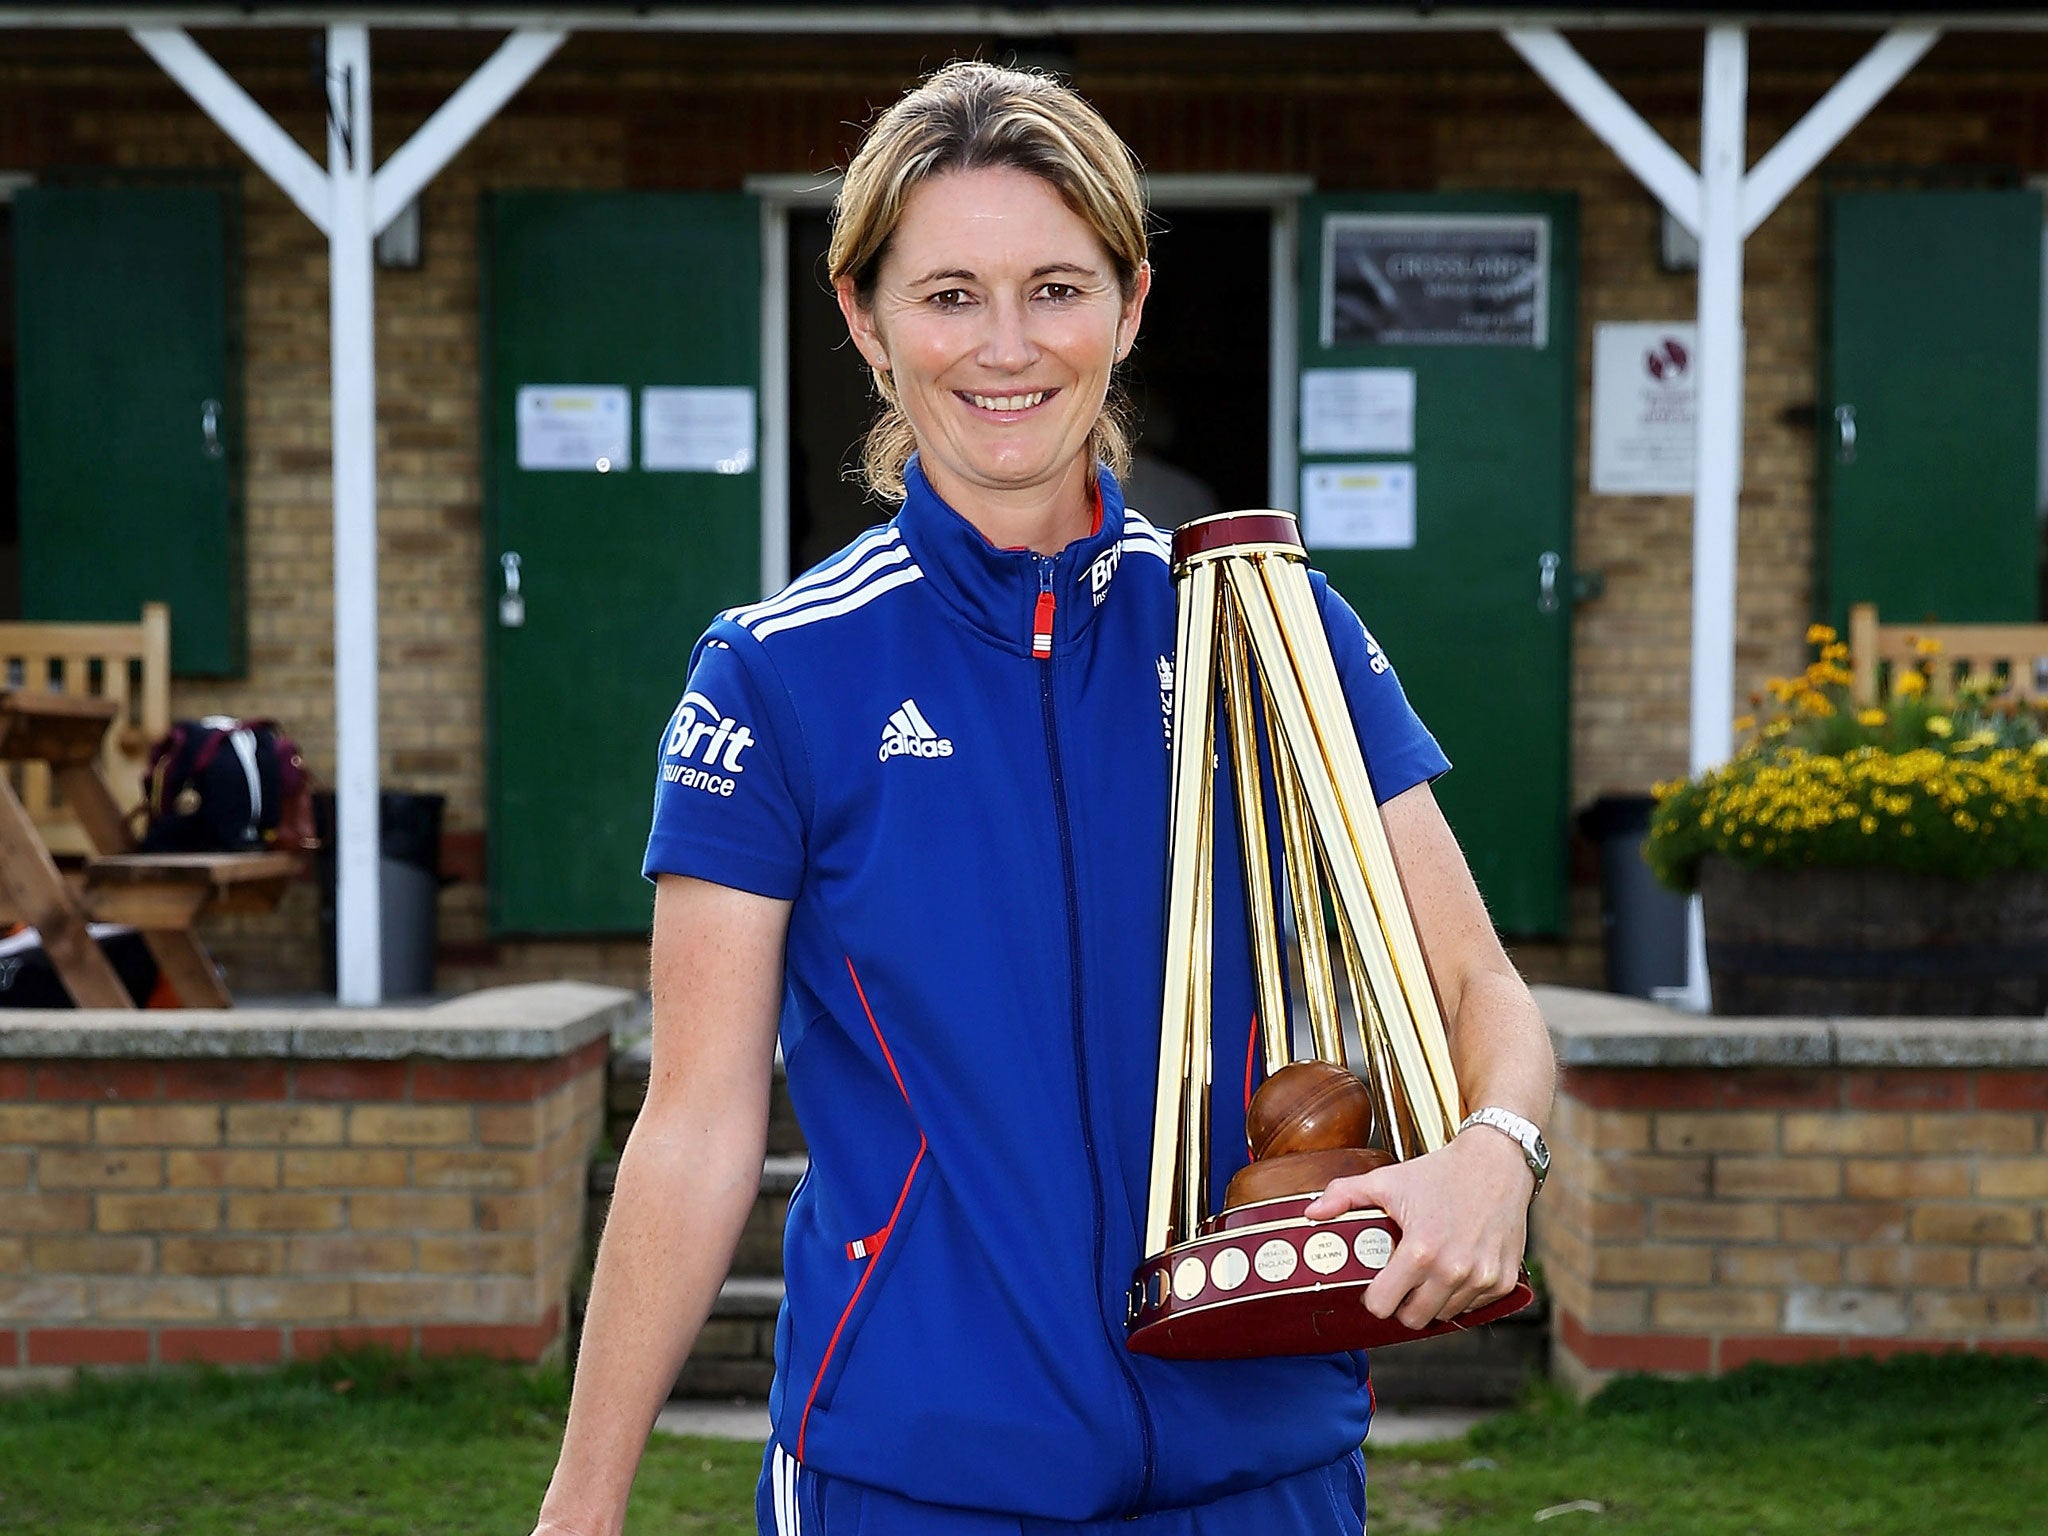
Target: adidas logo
{"type": "Point", "coordinates": [909, 734]}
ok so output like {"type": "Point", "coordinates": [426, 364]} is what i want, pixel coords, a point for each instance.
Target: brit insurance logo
{"type": "Point", "coordinates": [909, 734]}
{"type": "Point", "coordinates": [703, 747]}
{"type": "Point", "coordinates": [1103, 571]}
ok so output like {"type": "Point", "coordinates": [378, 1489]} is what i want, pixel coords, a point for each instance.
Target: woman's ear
{"type": "Point", "coordinates": [1133, 311]}
{"type": "Point", "coordinates": [860, 325]}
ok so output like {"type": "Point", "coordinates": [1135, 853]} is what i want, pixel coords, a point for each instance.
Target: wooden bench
{"type": "Point", "coordinates": [2011, 659]}
{"type": "Point", "coordinates": [163, 894]}
{"type": "Point", "coordinates": [129, 664]}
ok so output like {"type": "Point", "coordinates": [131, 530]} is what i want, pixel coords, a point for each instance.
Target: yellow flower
{"type": "Point", "coordinates": [1819, 634]}
{"type": "Point", "coordinates": [1814, 702]}
{"type": "Point", "coordinates": [1868, 824]}
{"type": "Point", "coordinates": [1926, 645]}
{"type": "Point", "coordinates": [1777, 727]}
{"type": "Point", "coordinates": [1744, 722]}
{"type": "Point", "coordinates": [2039, 748]}
{"type": "Point", "coordinates": [1871, 717]}
{"type": "Point", "coordinates": [1909, 684]}
{"type": "Point", "coordinates": [1939, 725]}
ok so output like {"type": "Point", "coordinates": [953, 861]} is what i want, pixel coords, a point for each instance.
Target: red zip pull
{"type": "Point", "coordinates": [1041, 627]}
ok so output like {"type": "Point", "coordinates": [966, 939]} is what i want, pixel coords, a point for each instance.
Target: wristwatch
{"type": "Point", "coordinates": [1522, 1132]}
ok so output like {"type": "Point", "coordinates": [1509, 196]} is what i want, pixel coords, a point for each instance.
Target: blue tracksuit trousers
{"type": "Point", "coordinates": [793, 1500]}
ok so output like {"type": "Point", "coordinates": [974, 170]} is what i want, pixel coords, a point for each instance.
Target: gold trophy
{"type": "Point", "coordinates": [1258, 1277]}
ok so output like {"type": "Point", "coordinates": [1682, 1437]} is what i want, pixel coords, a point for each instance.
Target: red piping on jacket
{"type": "Point", "coordinates": [873, 1246]}
{"type": "Point", "coordinates": [1251, 1057]}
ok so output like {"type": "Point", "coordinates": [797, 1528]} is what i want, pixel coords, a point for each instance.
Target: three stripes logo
{"type": "Point", "coordinates": [909, 734]}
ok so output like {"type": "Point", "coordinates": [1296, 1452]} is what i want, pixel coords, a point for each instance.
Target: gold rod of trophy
{"type": "Point", "coordinates": [1258, 864]}
{"type": "Point", "coordinates": [1391, 1109]}
{"type": "Point", "coordinates": [1328, 780]}
{"type": "Point", "coordinates": [1305, 892]}
{"type": "Point", "coordinates": [1295, 604]}
{"type": "Point", "coordinates": [1194, 1189]}
{"type": "Point", "coordinates": [1194, 697]}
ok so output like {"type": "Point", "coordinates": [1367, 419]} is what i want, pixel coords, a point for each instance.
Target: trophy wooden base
{"type": "Point", "coordinates": [1265, 1280]}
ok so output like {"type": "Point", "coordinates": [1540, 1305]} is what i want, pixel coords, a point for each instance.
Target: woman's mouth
{"type": "Point", "coordinates": [1007, 405]}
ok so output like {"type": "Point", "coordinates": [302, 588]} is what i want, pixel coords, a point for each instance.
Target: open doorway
{"type": "Point", "coordinates": [1200, 376]}
{"type": "Point", "coordinates": [1199, 381]}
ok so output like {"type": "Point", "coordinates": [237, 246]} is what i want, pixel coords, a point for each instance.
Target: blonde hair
{"type": "Point", "coordinates": [973, 116]}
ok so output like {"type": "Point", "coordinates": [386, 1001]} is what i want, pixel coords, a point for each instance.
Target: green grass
{"type": "Point", "coordinates": [362, 1445]}
{"type": "Point", "coordinates": [380, 1445]}
{"type": "Point", "coordinates": [1933, 1446]}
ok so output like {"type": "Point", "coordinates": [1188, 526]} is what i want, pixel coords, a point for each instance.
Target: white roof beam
{"type": "Point", "coordinates": [458, 120]}
{"type": "Point", "coordinates": [1014, 20]}
{"type": "Point", "coordinates": [1619, 126]}
{"type": "Point", "coordinates": [1794, 157]}
{"type": "Point", "coordinates": [238, 116]}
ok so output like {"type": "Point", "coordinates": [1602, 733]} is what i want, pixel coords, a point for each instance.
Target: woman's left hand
{"type": "Point", "coordinates": [1463, 1212]}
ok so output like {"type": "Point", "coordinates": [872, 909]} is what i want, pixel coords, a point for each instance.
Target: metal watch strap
{"type": "Point", "coordinates": [1522, 1132]}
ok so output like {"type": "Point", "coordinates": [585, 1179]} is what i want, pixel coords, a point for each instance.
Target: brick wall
{"type": "Point", "coordinates": [1371, 112]}
{"type": "Point", "coordinates": [1698, 1217]}
{"type": "Point", "coordinates": [254, 1210]}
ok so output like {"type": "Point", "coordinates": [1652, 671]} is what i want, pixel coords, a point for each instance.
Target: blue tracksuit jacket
{"type": "Point", "coordinates": [953, 759]}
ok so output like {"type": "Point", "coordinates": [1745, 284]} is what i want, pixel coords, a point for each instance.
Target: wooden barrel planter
{"type": "Point", "coordinates": [1875, 942]}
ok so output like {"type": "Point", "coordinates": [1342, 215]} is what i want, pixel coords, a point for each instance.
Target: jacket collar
{"type": "Point", "coordinates": [997, 590]}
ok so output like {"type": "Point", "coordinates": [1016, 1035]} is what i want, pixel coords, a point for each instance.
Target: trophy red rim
{"type": "Point", "coordinates": [1286, 1316]}
{"type": "Point", "coordinates": [1274, 531]}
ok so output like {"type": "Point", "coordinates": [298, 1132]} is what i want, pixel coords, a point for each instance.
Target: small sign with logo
{"type": "Point", "coordinates": [1643, 409]}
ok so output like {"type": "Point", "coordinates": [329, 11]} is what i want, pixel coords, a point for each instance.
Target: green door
{"type": "Point", "coordinates": [1930, 409]}
{"type": "Point", "coordinates": [1436, 418]}
{"type": "Point", "coordinates": [623, 498]}
{"type": "Point", "coordinates": [127, 412]}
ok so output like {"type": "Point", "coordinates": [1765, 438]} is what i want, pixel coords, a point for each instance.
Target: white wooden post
{"type": "Point", "coordinates": [350, 204]}
{"type": "Point", "coordinates": [1718, 477]}
{"type": "Point", "coordinates": [351, 309]}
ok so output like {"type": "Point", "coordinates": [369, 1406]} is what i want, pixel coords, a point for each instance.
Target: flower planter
{"type": "Point", "coordinates": [1875, 941]}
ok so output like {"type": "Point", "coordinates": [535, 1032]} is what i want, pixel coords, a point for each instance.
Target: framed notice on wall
{"type": "Point", "coordinates": [1643, 408]}
{"type": "Point", "coordinates": [1435, 280]}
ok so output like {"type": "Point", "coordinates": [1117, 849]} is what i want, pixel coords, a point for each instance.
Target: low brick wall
{"type": "Point", "coordinates": [1727, 1190]}
{"type": "Point", "coordinates": [256, 1186]}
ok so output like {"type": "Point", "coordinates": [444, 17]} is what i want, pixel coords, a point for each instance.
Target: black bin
{"type": "Point", "coordinates": [409, 879]}
{"type": "Point", "coordinates": [1642, 923]}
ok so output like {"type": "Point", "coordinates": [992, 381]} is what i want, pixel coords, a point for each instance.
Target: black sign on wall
{"type": "Point", "coordinates": [1451, 281]}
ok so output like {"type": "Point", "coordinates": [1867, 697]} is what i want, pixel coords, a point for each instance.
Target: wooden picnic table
{"type": "Point", "coordinates": [162, 894]}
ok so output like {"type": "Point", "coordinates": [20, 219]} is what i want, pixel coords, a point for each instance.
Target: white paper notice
{"type": "Point", "coordinates": [575, 426]}
{"type": "Point", "coordinates": [1643, 419]}
{"type": "Point", "coordinates": [1358, 410]}
{"type": "Point", "coordinates": [691, 428]}
{"type": "Point", "coordinates": [1358, 506]}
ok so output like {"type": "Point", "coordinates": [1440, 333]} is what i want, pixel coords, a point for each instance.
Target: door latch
{"type": "Point", "coordinates": [209, 427]}
{"type": "Point", "coordinates": [1845, 425]}
{"type": "Point", "coordinates": [511, 604]}
{"type": "Point", "coordinates": [1546, 580]}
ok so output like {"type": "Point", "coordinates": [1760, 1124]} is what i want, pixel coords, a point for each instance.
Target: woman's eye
{"type": "Point", "coordinates": [1059, 292]}
{"type": "Point", "coordinates": [951, 298]}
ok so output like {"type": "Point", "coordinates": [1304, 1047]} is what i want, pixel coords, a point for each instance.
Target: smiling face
{"type": "Point", "coordinates": [998, 316]}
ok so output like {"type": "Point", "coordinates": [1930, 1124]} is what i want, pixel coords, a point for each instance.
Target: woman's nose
{"type": "Point", "coordinates": [1007, 344]}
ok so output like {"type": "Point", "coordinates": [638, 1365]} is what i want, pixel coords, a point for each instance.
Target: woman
{"type": "Point", "coordinates": [914, 808]}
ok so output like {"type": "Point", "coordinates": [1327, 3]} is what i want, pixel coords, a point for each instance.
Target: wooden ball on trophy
{"type": "Point", "coordinates": [1308, 1106]}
